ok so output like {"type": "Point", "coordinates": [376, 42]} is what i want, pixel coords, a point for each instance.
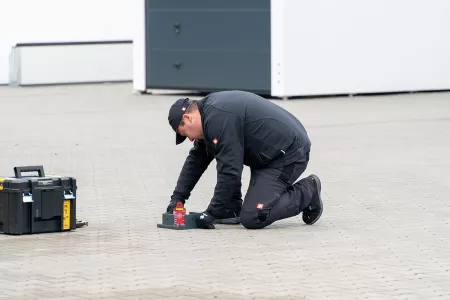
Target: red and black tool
{"type": "Point", "coordinates": [178, 220]}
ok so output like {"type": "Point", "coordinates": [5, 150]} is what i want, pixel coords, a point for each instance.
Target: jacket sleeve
{"type": "Point", "coordinates": [228, 140]}
{"type": "Point", "coordinates": [195, 165]}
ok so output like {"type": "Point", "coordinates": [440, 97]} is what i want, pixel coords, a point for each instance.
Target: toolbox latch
{"type": "Point", "coordinates": [68, 195]}
{"type": "Point", "coordinates": [27, 197]}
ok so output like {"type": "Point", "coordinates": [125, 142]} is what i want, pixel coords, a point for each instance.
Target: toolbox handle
{"type": "Point", "coordinates": [18, 171]}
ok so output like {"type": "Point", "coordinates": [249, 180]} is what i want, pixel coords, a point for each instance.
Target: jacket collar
{"type": "Point", "coordinates": [201, 108]}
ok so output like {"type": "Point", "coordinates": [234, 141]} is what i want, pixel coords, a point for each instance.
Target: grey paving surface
{"type": "Point", "coordinates": [385, 233]}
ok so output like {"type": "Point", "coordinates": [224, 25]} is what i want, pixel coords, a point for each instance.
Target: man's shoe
{"type": "Point", "coordinates": [204, 220]}
{"type": "Point", "coordinates": [312, 213]}
{"type": "Point", "coordinates": [229, 219]}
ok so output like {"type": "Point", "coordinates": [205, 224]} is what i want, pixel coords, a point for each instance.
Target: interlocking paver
{"type": "Point", "coordinates": [384, 233]}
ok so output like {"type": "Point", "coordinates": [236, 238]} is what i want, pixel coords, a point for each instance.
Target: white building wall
{"type": "Point", "coordinates": [354, 46]}
{"type": "Point", "coordinates": [34, 21]}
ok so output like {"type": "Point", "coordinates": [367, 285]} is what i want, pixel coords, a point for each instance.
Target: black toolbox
{"type": "Point", "coordinates": [37, 204]}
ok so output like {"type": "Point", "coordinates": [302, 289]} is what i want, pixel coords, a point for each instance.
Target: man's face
{"type": "Point", "coordinates": [191, 127]}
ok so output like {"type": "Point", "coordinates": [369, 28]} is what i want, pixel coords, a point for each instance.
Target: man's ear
{"type": "Point", "coordinates": [186, 118]}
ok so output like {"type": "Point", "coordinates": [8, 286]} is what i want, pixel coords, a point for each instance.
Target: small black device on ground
{"type": "Point", "coordinates": [168, 222]}
{"type": "Point", "coordinates": [37, 204]}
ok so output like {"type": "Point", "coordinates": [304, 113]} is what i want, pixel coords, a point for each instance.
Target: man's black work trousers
{"type": "Point", "coordinates": [272, 196]}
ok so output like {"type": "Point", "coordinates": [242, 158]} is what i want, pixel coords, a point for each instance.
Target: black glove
{"type": "Point", "coordinates": [205, 220]}
{"type": "Point", "coordinates": [173, 204]}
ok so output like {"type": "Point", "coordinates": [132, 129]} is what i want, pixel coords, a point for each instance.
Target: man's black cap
{"type": "Point", "coordinates": [176, 112]}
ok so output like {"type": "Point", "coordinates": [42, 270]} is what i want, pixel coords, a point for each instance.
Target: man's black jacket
{"type": "Point", "coordinates": [240, 128]}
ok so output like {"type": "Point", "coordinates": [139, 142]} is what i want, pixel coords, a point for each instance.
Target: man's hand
{"type": "Point", "coordinates": [173, 204]}
{"type": "Point", "coordinates": [205, 220]}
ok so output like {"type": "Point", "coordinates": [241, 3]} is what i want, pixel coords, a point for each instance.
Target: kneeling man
{"type": "Point", "coordinates": [239, 128]}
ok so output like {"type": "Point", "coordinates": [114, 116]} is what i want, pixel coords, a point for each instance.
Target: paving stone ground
{"type": "Point", "coordinates": [385, 232]}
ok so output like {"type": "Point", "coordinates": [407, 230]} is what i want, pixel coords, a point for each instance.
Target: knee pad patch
{"type": "Point", "coordinates": [263, 215]}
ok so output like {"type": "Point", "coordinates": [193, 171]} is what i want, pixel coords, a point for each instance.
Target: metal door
{"type": "Point", "coordinates": [208, 45]}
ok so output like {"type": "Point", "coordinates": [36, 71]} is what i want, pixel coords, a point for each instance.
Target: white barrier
{"type": "Point", "coordinates": [80, 62]}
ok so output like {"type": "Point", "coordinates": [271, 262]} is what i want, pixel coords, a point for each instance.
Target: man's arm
{"type": "Point", "coordinates": [228, 138]}
{"type": "Point", "coordinates": [194, 166]}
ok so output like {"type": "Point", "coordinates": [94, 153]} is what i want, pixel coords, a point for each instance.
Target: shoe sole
{"type": "Point", "coordinates": [319, 190]}
{"type": "Point", "coordinates": [228, 221]}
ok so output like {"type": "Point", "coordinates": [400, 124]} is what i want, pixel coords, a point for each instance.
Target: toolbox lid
{"type": "Point", "coordinates": [22, 181]}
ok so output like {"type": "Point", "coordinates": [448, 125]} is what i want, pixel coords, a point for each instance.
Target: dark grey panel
{"type": "Point", "coordinates": [209, 70]}
{"type": "Point", "coordinates": [230, 30]}
{"type": "Point", "coordinates": [208, 44]}
{"type": "Point", "coordinates": [208, 4]}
